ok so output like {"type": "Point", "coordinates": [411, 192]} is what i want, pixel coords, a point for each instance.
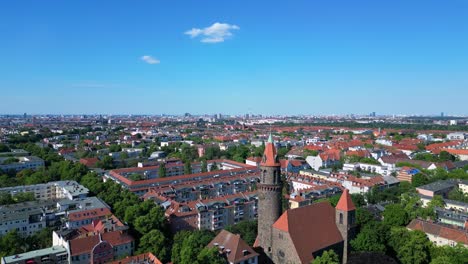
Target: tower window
{"type": "Point", "coordinates": [341, 218]}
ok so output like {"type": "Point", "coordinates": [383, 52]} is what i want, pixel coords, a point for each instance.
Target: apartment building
{"type": "Point", "coordinates": [21, 163]}
{"type": "Point", "coordinates": [212, 214]}
{"type": "Point", "coordinates": [51, 191]}
{"type": "Point", "coordinates": [227, 168]}
{"type": "Point", "coordinates": [439, 234]}
{"type": "Point", "coordinates": [26, 218]}
{"type": "Point", "coordinates": [54, 254]}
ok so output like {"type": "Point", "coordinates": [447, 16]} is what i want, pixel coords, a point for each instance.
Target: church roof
{"type": "Point", "coordinates": [270, 158]}
{"type": "Point", "coordinates": [233, 246]}
{"type": "Point", "coordinates": [345, 203]}
{"type": "Point", "coordinates": [311, 228]}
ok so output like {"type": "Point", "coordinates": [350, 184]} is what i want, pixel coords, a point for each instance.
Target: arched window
{"type": "Point", "coordinates": [341, 218]}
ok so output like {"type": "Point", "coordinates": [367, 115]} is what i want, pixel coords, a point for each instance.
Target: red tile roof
{"type": "Point", "coordinates": [345, 203]}
{"type": "Point", "coordinates": [311, 228]}
{"type": "Point", "coordinates": [235, 244]}
{"type": "Point", "coordinates": [88, 214]}
{"type": "Point", "coordinates": [450, 233]}
{"type": "Point", "coordinates": [85, 245]}
{"type": "Point", "coordinates": [270, 159]}
{"type": "Point", "coordinates": [359, 153]}
{"type": "Point", "coordinates": [145, 258]}
{"type": "Point", "coordinates": [435, 146]}
{"type": "Point", "coordinates": [89, 162]}
{"type": "Point", "coordinates": [456, 151]}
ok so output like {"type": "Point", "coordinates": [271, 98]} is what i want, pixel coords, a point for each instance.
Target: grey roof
{"type": "Point", "coordinates": [55, 250]}
{"type": "Point", "coordinates": [437, 186]}
{"type": "Point", "coordinates": [391, 180]}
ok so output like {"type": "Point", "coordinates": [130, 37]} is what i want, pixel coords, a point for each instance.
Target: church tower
{"type": "Point", "coordinates": [269, 194]}
{"type": "Point", "coordinates": [345, 218]}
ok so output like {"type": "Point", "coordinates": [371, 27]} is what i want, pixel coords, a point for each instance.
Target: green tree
{"type": "Point", "coordinates": [11, 244]}
{"type": "Point", "coordinates": [454, 255]}
{"type": "Point", "coordinates": [372, 238]}
{"type": "Point", "coordinates": [115, 148]}
{"type": "Point", "coordinates": [416, 249]}
{"type": "Point", "coordinates": [124, 155]}
{"type": "Point", "coordinates": [328, 257]}
{"type": "Point", "coordinates": [395, 215]}
{"type": "Point", "coordinates": [135, 177]}
{"type": "Point", "coordinates": [363, 216]}
{"type": "Point", "coordinates": [5, 198]}
{"type": "Point", "coordinates": [156, 243]}
{"type": "Point", "coordinates": [24, 197]}
{"type": "Point", "coordinates": [155, 219]}
{"type": "Point", "coordinates": [107, 163]}
{"type": "Point", "coordinates": [458, 195]}
{"type": "Point", "coordinates": [214, 166]}
{"type": "Point", "coordinates": [4, 148]}
{"type": "Point", "coordinates": [445, 156]}
{"type": "Point", "coordinates": [410, 246]}
{"type": "Point", "coordinates": [358, 199]}
{"type": "Point", "coordinates": [419, 179]}
{"type": "Point", "coordinates": [441, 260]}
{"type": "Point", "coordinates": [246, 229]}
{"type": "Point", "coordinates": [177, 244]}
{"type": "Point", "coordinates": [210, 256]}
{"type": "Point", "coordinates": [187, 168]}
{"type": "Point", "coordinates": [193, 244]}
{"type": "Point", "coordinates": [162, 170]}
{"type": "Point", "coordinates": [204, 166]}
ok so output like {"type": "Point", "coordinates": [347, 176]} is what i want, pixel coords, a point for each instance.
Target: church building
{"type": "Point", "coordinates": [299, 235]}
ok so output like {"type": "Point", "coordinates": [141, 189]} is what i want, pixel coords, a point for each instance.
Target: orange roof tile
{"type": "Point", "coordinates": [270, 158]}
{"type": "Point", "coordinates": [345, 203]}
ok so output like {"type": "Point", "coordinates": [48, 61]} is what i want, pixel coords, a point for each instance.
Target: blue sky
{"type": "Point", "coordinates": [270, 57]}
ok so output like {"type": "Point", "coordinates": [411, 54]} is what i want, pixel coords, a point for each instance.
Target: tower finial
{"type": "Point", "coordinates": [270, 138]}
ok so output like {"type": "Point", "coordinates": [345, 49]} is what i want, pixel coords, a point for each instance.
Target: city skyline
{"type": "Point", "coordinates": [236, 58]}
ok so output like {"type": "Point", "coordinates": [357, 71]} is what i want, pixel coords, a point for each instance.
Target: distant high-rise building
{"type": "Point", "coordinates": [372, 114]}
{"type": "Point", "coordinates": [442, 114]}
{"type": "Point", "coordinates": [25, 115]}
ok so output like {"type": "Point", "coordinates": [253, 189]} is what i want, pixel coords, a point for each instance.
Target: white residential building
{"type": "Point", "coordinates": [456, 136]}
{"type": "Point", "coordinates": [22, 163]}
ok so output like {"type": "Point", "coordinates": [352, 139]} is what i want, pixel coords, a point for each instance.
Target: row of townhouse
{"type": "Point", "coordinates": [205, 189]}
{"type": "Point", "coordinates": [372, 168]}
{"type": "Point", "coordinates": [353, 183]}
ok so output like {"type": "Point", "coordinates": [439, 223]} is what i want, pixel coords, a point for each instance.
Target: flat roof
{"type": "Point", "coordinates": [55, 250]}
{"type": "Point", "coordinates": [437, 186]}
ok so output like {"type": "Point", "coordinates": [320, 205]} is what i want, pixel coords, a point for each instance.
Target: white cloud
{"type": "Point", "coordinates": [215, 33]}
{"type": "Point", "coordinates": [149, 59]}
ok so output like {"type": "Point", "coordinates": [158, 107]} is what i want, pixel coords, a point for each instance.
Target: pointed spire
{"type": "Point", "coordinates": [270, 138]}
{"type": "Point", "coordinates": [270, 157]}
{"type": "Point", "coordinates": [345, 203]}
